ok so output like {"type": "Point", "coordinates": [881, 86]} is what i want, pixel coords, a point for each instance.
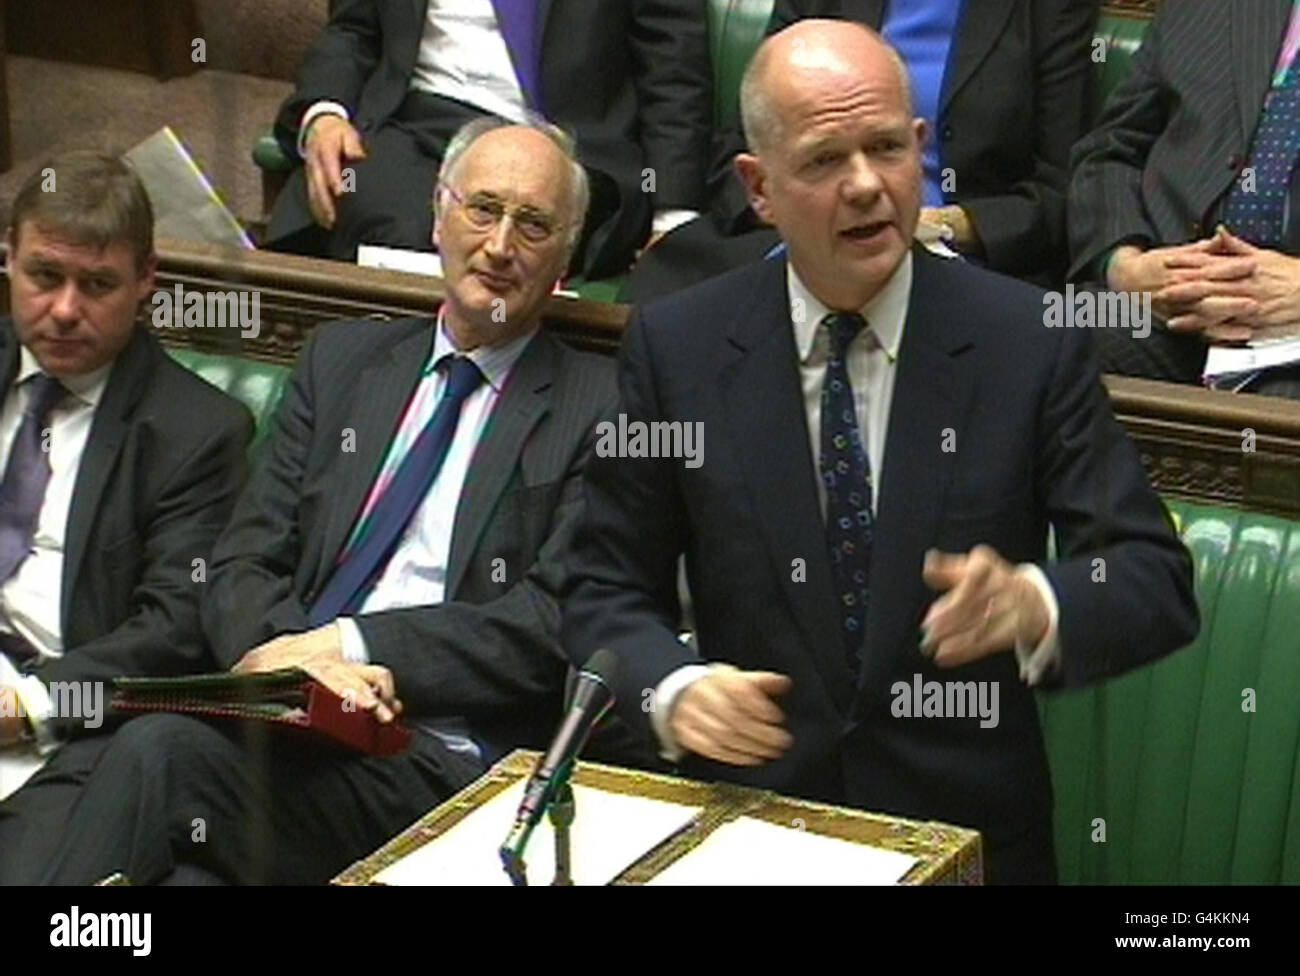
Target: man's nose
{"type": "Point", "coordinates": [864, 183]}
{"type": "Point", "coordinates": [500, 243]}
{"type": "Point", "coordinates": [66, 308]}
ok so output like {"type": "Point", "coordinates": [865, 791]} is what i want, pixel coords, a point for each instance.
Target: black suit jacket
{"type": "Point", "coordinates": [164, 462]}
{"type": "Point", "coordinates": [1015, 98]}
{"type": "Point", "coordinates": [1035, 444]}
{"type": "Point", "coordinates": [1174, 137]}
{"type": "Point", "coordinates": [630, 79]}
{"type": "Point", "coordinates": [490, 652]}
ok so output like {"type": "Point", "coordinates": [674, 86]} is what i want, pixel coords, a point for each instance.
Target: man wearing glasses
{"type": "Point", "coordinates": [399, 542]}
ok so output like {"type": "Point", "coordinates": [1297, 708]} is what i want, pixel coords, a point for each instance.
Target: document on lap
{"type": "Point", "coordinates": [288, 698]}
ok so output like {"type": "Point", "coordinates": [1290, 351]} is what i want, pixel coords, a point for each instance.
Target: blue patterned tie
{"type": "Point", "coordinates": [517, 22]}
{"type": "Point", "coordinates": [360, 568]}
{"type": "Point", "coordinates": [846, 474]}
{"type": "Point", "coordinates": [1258, 215]}
{"type": "Point", "coordinates": [28, 472]}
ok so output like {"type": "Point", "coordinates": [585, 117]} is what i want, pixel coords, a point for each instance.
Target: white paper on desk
{"type": "Point", "coordinates": [753, 852]}
{"type": "Point", "coordinates": [399, 259]}
{"type": "Point", "coordinates": [1227, 361]}
{"type": "Point", "coordinates": [610, 832]}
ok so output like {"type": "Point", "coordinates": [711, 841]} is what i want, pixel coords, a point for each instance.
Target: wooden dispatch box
{"type": "Point", "coordinates": [945, 854]}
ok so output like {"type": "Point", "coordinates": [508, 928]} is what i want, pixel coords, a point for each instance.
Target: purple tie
{"type": "Point", "coordinates": [517, 21]}
{"type": "Point", "coordinates": [28, 472]}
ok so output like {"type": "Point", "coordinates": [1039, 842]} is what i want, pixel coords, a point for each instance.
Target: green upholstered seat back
{"type": "Point", "coordinates": [1192, 786]}
{"type": "Point", "coordinates": [736, 28]}
{"type": "Point", "coordinates": [257, 385]}
{"type": "Point", "coordinates": [1122, 34]}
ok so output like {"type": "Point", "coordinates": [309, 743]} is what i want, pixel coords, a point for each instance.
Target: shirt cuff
{"type": "Point", "coordinates": [312, 114]}
{"type": "Point", "coordinates": [667, 220]}
{"type": "Point", "coordinates": [665, 698]}
{"type": "Point", "coordinates": [351, 643]}
{"type": "Point", "coordinates": [1040, 663]}
{"type": "Point", "coordinates": [34, 698]}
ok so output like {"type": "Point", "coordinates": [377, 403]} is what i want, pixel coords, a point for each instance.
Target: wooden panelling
{"type": "Point", "coordinates": [1204, 445]}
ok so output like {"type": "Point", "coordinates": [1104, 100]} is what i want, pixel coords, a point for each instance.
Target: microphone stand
{"type": "Point", "coordinates": [561, 812]}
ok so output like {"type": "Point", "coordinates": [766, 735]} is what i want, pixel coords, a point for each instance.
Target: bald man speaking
{"type": "Point", "coordinates": [888, 437]}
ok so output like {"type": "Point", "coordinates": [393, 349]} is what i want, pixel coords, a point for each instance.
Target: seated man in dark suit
{"type": "Point", "coordinates": [388, 83]}
{"type": "Point", "coordinates": [884, 425]}
{"type": "Point", "coordinates": [402, 538]}
{"type": "Point", "coordinates": [120, 469]}
{"type": "Point", "coordinates": [1003, 86]}
{"type": "Point", "coordinates": [1188, 189]}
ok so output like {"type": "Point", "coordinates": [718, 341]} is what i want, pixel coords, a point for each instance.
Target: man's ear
{"type": "Point", "coordinates": [147, 280]}
{"type": "Point", "coordinates": [749, 168]}
{"type": "Point", "coordinates": [438, 210]}
{"type": "Point", "coordinates": [921, 129]}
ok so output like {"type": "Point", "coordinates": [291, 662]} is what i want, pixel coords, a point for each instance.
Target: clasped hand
{"type": "Point", "coordinates": [1222, 288]}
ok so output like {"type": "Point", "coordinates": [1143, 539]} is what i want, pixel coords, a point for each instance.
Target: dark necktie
{"type": "Point", "coordinates": [28, 472]}
{"type": "Point", "coordinates": [359, 570]}
{"type": "Point", "coordinates": [1258, 213]}
{"type": "Point", "coordinates": [517, 21]}
{"type": "Point", "coordinates": [846, 474]}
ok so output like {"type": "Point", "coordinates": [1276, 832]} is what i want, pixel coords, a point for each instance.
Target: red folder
{"type": "Point", "coordinates": [289, 698]}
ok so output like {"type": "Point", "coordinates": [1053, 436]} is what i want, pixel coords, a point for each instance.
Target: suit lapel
{"type": "Point", "coordinates": [1257, 28]}
{"type": "Point", "coordinates": [932, 391]}
{"type": "Point", "coordinates": [381, 395]}
{"type": "Point", "coordinates": [126, 384]}
{"type": "Point", "coordinates": [524, 402]}
{"type": "Point", "coordinates": [976, 35]}
{"type": "Point", "coordinates": [777, 457]}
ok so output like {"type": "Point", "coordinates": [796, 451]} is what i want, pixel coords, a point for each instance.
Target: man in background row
{"type": "Point", "coordinates": [388, 83]}
{"type": "Point", "coordinates": [1188, 189]}
{"type": "Point", "coordinates": [1004, 87]}
{"type": "Point", "coordinates": [400, 540]}
{"type": "Point", "coordinates": [120, 469]}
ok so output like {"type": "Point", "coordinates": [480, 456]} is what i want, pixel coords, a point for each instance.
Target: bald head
{"type": "Point", "coordinates": [807, 55]}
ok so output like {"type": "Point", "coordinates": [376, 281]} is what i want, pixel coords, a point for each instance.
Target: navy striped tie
{"type": "Point", "coordinates": [356, 575]}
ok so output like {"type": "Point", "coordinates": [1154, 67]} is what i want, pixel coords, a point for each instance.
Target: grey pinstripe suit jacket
{"type": "Point", "coordinates": [1176, 134]}
{"type": "Point", "coordinates": [490, 653]}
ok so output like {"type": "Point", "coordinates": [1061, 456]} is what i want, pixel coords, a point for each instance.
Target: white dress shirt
{"type": "Point", "coordinates": [31, 599]}
{"type": "Point", "coordinates": [416, 573]}
{"type": "Point", "coordinates": [872, 365]}
{"type": "Point", "coordinates": [463, 56]}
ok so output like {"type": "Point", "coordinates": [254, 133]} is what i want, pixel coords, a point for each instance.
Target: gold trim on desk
{"type": "Point", "coordinates": [946, 854]}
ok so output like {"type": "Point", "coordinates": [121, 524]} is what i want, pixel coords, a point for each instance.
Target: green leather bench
{"type": "Point", "coordinates": [1193, 780]}
{"type": "Point", "coordinates": [257, 385]}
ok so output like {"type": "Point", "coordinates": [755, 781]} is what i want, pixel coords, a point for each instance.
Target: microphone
{"type": "Point", "coordinates": [593, 695]}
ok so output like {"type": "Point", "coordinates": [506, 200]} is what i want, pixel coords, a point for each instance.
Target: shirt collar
{"type": "Point", "coordinates": [86, 387]}
{"type": "Point", "coordinates": [494, 362]}
{"type": "Point", "coordinates": [885, 313]}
